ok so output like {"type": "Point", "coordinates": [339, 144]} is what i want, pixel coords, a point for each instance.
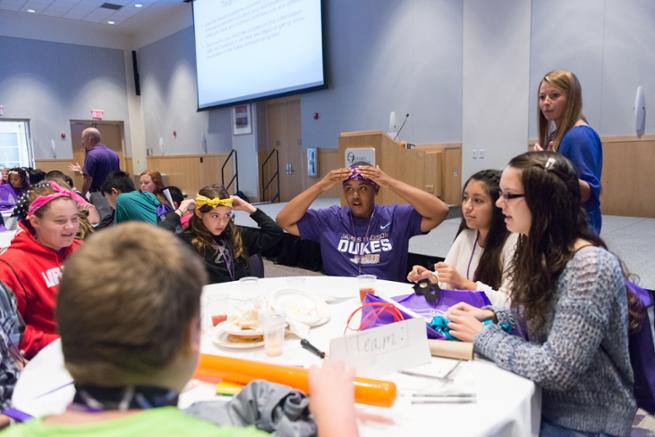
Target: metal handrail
{"type": "Point", "coordinates": [276, 175]}
{"type": "Point", "coordinates": [235, 177]}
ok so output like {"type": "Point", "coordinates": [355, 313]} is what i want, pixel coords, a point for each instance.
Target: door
{"type": "Point", "coordinates": [15, 145]}
{"type": "Point", "coordinates": [283, 134]}
{"type": "Point", "coordinates": [111, 133]}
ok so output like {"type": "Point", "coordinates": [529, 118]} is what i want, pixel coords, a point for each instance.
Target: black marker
{"type": "Point", "coordinates": [311, 348]}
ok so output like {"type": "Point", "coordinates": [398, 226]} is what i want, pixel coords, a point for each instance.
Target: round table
{"type": "Point", "coordinates": [506, 404]}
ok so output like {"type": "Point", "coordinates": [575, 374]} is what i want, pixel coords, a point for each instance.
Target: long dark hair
{"type": "Point", "coordinates": [489, 270]}
{"type": "Point", "coordinates": [552, 193]}
{"type": "Point", "coordinates": [203, 239]}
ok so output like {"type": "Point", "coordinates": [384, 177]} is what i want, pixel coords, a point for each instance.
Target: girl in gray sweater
{"type": "Point", "coordinates": [568, 299]}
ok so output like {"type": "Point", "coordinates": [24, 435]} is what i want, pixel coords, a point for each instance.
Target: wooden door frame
{"type": "Point", "coordinates": [268, 146]}
{"type": "Point", "coordinates": [93, 123]}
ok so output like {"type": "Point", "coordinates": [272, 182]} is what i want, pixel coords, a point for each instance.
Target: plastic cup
{"type": "Point", "coordinates": [272, 325]}
{"type": "Point", "coordinates": [214, 310]}
{"type": "Point", "coordinates": [249, 287]}
{"type": "Point", "coordinates": [366, 284]}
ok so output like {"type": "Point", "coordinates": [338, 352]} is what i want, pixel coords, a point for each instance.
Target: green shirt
{"type": "Point", "coordinates": [138, 206]}
{"type": "Point", "coordinates": [164, 421]}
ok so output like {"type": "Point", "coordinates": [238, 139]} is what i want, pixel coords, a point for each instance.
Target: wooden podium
{"type": "Point", "coordinates": [413, 166]}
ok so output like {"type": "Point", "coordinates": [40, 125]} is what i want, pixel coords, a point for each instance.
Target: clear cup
{"type": "Point", "coordinates": [249, 287]}
{"type": "Point", "coordinates": [214, 310]}
{"type": "Point", "coordinates": [366, 284]}
{"type": "Point", "coordinates": [272, 325]}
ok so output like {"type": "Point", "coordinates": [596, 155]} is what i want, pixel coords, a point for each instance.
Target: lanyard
{"type": "Point", "coordinates": [468, 267]}
{"type": "Point", "coordinates": [352, 230]}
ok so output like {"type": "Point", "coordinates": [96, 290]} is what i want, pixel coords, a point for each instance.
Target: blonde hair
{"type": "Point", "coordinates": [569, 84]}
{"type": "Point", "coordinates": [125, 302]}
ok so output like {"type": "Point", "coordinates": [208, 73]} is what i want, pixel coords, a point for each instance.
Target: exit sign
{"type": "Point", "coordinates": [96, 114]}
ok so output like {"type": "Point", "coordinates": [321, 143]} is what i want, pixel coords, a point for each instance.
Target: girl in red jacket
{"type": "Point", "coordinates": [32, 265]}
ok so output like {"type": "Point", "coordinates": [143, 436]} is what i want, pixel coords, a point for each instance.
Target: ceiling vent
{"type": "Point", "coordinates": [112, 6]}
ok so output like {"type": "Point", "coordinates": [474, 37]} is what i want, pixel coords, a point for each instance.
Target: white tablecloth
{"type": "Point", "coordinates": [506, 404]}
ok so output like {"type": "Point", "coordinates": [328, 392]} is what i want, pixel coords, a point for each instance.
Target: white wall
{"type": "Point", "coordinates": [389, 55]}
{"type": "Point", "coordinates": [495, 87]}
{"type": "Point", "coordinates": [51, 83]}
{"type": "Point", "coordinates": [608, 45]}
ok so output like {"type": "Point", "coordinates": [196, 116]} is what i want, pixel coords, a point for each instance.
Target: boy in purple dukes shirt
{"type": "Point", "coordinates": [363, 238]}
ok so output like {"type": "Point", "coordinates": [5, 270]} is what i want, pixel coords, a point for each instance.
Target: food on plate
{"type": "Point", "coordinates": [244, 338]}
{"type": "Point", "coordinates": [247, 320]}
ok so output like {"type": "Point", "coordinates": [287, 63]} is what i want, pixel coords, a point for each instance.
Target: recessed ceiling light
{"type": "Point", "coordinates": [138, 5]}
{"type": "Point", "coordinates": [111, 22]}
{"type": "Point", "coordinates": [31, 11]}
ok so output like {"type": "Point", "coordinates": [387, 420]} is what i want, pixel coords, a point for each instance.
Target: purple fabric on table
{"type": "Point", "coordinates": [420, 306]}
{"type": "Point", "coordinates": [99, 162]}
{"type": "Point", "coordinates": [378, 246]}
{"type": "Point", "coordinates": [642, 354]}
{"type": "Point", "coordinates": [447, 298]}
{"type": "Point", "coordinates": [387, 317]}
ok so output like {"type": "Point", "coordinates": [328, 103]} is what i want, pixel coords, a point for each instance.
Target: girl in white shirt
{"type": "Point", "coordinates": [481, 254]}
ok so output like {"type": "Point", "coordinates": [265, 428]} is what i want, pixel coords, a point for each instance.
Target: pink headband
{"type": "Point", "coordinates": [41, 201]}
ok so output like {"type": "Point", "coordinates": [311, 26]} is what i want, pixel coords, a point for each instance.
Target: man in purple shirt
{"type": "Point", "coordinates": [99, 161]}
{"type": "Point", "coordinates": [363, 238]}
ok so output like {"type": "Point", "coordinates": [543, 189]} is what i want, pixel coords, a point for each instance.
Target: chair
{"type": "Point", "coordinates": [256, 265]}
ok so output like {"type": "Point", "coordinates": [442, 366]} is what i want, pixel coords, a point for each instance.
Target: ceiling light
{"type": "Point", "coordinates": [138, 5]}
{"type": "Point", "coordinates": [31, 11]}
{"type": "Point", "coordinates": [111, 22]}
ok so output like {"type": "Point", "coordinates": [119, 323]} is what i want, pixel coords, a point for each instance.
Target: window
{"type": "Point", "coordinates": [15, 148]}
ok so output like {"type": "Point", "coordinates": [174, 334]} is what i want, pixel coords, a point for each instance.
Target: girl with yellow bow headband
{"type": "Point", "coordinates": [226, 248]}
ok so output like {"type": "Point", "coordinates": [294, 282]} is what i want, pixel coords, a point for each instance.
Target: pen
{"type": "Point", "coordinates": [311, 348]}
{"type": "Point", "coordinates": [445, 401]}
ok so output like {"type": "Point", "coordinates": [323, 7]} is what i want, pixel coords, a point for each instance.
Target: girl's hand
{"type": "Point", "coordinates": [238, 204]}
{"type": "Point", "coordinates": [449, 275]}
{"type": "Point", "coordinates": [464, 326]}
{"type": "Point", "coordinates": [463, 308]}
{"type": "Point", "coordinates": [419, 272]}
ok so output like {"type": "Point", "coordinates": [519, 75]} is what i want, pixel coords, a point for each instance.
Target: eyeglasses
{"type": "Point", "coordinates": [509, 196]}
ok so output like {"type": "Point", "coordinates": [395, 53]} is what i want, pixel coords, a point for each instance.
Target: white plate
{"type": "Point", "coordinates": [220, 339]}
{"type": "Point", "coordinates": [230, 328]}
{"type": "Point", "coordinates": [301, 306]}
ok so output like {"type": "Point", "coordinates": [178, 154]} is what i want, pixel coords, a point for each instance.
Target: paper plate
{"type": "Point", "coordinates": [221, 340]}
{"type": "Point", "coordinates": [301, 306]}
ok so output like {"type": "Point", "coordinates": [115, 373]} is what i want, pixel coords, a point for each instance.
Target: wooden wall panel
{"type": "Point", "coordinates": [628, 168]}
{"type": "Point", "coordinates": [191, 172]}
{"type": "Point", "coordinates": [449, 168]}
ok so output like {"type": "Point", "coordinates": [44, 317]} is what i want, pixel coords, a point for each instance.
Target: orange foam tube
{"type": "Point", "coordinates": [210, 367]}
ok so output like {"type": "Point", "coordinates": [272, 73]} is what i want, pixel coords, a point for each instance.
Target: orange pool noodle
{"type": "Point", "coordinates": [367, 391]}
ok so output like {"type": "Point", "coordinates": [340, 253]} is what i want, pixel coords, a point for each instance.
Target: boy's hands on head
{"type": "Point", "coordinates": [334, 177]}
{"type": "Point", "coordinates": [375, 174]}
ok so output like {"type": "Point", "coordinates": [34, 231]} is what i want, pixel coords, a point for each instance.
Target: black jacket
{"type": "Point", "coordinates": [254, 241]}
